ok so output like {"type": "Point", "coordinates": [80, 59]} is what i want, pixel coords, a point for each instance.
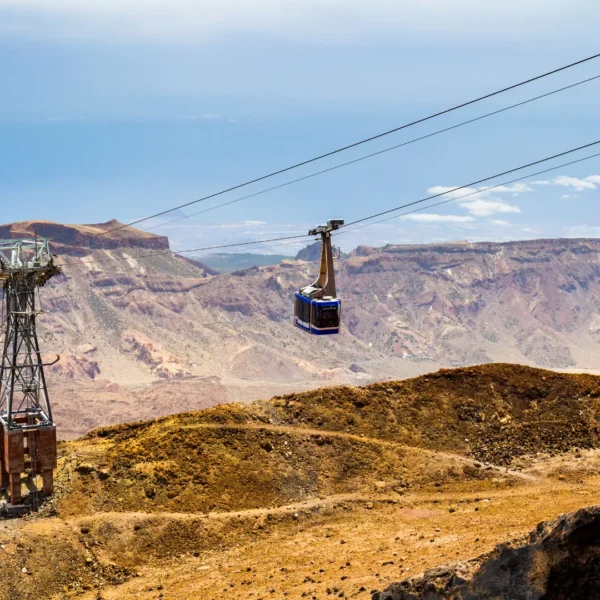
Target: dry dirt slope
{"type": "Point", "coordinates": [337, 489]}
{"type": "Point", "coordinates": [339, 439]}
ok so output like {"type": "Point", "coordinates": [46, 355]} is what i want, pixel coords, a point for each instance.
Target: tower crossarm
{"type": "Point", "coordinates": [27, 256]}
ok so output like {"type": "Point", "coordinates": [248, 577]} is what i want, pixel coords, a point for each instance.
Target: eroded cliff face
{"type": "Point", "coordinates": [560, 560]}
{"type": "Point", "coordinates": [406, 311]}
{"type": "Point", "coordinates": [76, 239]}
{"type": "Point", "coordinates": [535, 301]}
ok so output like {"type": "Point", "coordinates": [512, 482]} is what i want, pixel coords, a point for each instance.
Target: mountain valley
{"type": "Point", "coordinates": [141, 331]}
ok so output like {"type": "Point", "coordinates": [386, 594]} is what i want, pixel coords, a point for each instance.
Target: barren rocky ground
{"type": "Point", "coordinates": [334, 493]}
{"type": "Point", "coordinates": [184, 488]}
{"type": "Point", "coordinates": [558, 560]}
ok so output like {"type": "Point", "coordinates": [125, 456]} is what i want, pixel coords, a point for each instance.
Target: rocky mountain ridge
{"type": "Point", "coordinates": [75, 239]}
{"type": "Point", "coordinates": [537, 301]}
{"type": "Point", "coordinates": [149, 317]}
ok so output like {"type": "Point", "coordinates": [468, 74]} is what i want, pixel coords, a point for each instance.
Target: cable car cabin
{"type": "Point", "coordinates": [317, 316]}
{"type": "Point", "coordinates": [316, 308]}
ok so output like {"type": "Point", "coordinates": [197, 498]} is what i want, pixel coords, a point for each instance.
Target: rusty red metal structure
{"type": "Point", "coordinates": [28, 445]}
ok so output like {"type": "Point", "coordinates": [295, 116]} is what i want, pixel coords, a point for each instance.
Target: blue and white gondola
{"type": "Point", "coordinates": [319, 317]}
{"type": "Point", "coordinates": [316, 308]}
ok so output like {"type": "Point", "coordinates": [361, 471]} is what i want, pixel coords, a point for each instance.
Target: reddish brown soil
{"type": "Point", "coordinates": [214, 504]}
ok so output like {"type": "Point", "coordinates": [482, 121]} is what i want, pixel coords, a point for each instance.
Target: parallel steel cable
{"type": "Point", "coordinates": [218, 247]}
{"type": "Point", "coordinates": [409, 204]}
{"type": "Point", "coordinates": [471, 184]}
{"type": "Point", "coordinates": [355, 144]}
{"type": "Point", "coordinates": [389, 149]}
{"type": "Point", "coordinates": [474, 193]}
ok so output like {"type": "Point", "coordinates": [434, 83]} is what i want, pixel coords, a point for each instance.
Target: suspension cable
{"type": "Point", "coordinates": [355, 144]}
{"type": "Point", "coordinates": [373, 154]}
{"type": "Point", "coordinates": [361, 220]}
{"type": "Point", "coordinates": [486, 189]}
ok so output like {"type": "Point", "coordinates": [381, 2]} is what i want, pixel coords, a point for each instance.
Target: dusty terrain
{"type": "Point", "coordinates": [143, 334]}
{"type": "Point", "coordinates": [337, 492]}
{"type": "Point", "coordinates": [557, 561]}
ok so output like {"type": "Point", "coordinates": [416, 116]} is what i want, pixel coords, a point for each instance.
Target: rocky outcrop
{"type": "Point", "coordinates": [83, 237]}
{"type": "Point", "coordinates": [147, 352]}
{"type": "Point", "coordinates": [560, 560]}
{"type": "Point", "coordinates": [312, 252]}
{"type": "Point", "coordinates": [74, 366]}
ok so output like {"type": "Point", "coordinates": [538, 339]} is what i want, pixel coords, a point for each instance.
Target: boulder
{"type": "Point", "coordinates": [559, 560]}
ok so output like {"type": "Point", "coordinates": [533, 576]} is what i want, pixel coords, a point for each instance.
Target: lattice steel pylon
{"type": "Point", "coordinates": [29, 434]}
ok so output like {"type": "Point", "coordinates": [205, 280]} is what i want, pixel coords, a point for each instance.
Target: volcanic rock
{"type": "Point", "coordinates": [560, 560]}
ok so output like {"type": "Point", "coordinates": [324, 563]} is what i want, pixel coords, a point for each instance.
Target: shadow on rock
{"type": "Point", "coordinates": [560, 560]}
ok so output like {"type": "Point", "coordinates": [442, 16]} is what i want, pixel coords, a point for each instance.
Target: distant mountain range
{"type": "Point", "coordinates": [143, 332]}
{"type": "Point", "coordinates": [229, 263]}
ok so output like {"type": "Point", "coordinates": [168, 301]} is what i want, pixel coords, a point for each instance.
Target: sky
{"type": "Point", "coordinates": [120, 109]}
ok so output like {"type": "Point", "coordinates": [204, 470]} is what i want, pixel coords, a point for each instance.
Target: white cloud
{"type": "Point", "coordinates": [499, 222]}
{"type": "Point", "coordinates": [578, 184]}
{"type": "Point", "coordinates": [433, 218]}
{"type": "Point", "coordinates": [479, 201]}
{"type": "Point", "coordinates": [515, 188]}
{"type": "Point", "coordinates": [485, 208]}
{"type": "Point", "coordinates": [448, 191]}
{"type": "Point", "coordinates": [482, 192]}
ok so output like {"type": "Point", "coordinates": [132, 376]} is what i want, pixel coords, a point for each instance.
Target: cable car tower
{"type": "Point", "coordinates": [28, 444]}
{"type": "Point", "coordinates": [316, 308]}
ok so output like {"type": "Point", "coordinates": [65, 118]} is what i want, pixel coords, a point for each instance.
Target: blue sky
{"type": "Point", "coordinates": [119, 109]}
